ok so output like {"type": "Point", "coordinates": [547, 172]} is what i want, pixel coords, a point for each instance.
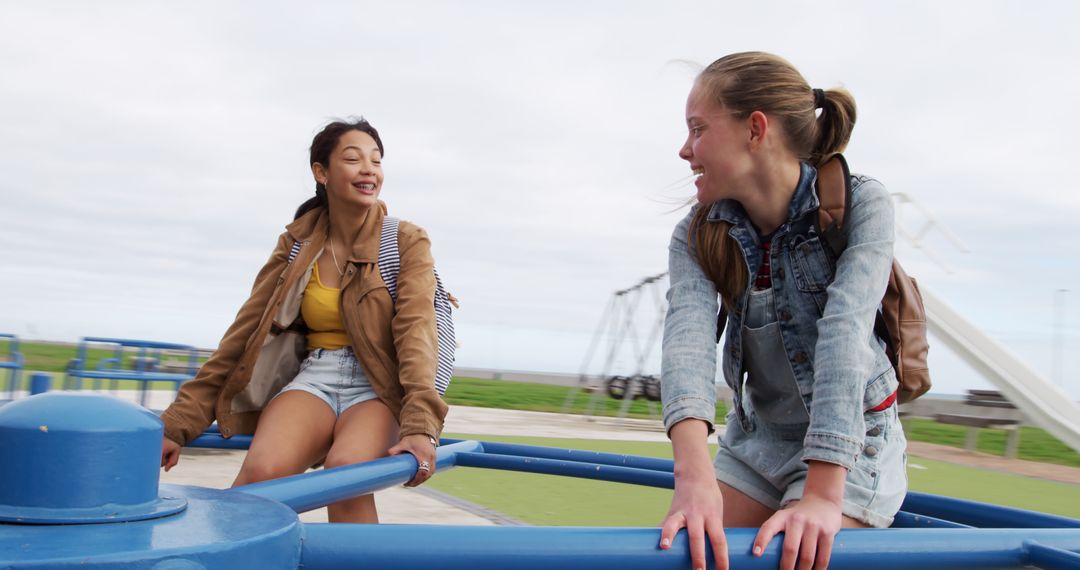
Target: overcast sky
{"type": "Point", "coordinates": [152, 152]}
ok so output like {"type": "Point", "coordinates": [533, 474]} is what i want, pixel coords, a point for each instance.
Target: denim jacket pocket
{"type": "Point", "coordinates": [880, 388]}
{"type": "Point", "coordinates": [810, 264]}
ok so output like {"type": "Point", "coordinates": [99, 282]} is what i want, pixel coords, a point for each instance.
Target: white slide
{"type": "Point", "coordinates": [1043, 403]}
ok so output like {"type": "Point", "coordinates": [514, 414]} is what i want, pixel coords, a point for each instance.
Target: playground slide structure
{"type": "Point", "coordinates": [1043, 403]}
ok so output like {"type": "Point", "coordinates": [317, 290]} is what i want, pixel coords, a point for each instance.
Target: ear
{"type": "Point", "coordinates": [319, 172]}
{"type": "Point", "coordinates": [759, 128]}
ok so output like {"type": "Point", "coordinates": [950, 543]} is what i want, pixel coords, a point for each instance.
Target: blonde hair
{"type": "Point", "coordinates": [742, 83]}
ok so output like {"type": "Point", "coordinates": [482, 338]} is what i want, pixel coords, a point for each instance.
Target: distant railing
{"type": "Point", "coordinates": [141, 361]}
{"type": "Point", "coordinates": [12, 361]}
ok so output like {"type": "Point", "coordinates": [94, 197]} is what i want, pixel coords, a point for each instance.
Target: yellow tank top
{"type": "Point", "coordinates": [322, 314]}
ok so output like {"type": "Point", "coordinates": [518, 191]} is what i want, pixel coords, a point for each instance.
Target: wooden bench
{"type": "Point", "coordinates": [987, 399]}
{"type": "Point", "coordinates": [180, 362]}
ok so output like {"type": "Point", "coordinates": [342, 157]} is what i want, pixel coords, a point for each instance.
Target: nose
{"type": "Point", "coordinates": [684, 152]}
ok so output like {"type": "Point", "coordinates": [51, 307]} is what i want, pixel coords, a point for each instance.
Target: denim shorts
{"type": "Point", "coordinates": [766, 465]}
{"type": "Point", "coordinates": [333, 376]}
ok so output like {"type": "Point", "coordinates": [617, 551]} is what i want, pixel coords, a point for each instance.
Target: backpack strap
{"type": "Point", "coordinates": [389, 256]}
{"type": "Point", "coordinates": [293, 252]}
{"type": "Point", "coordinates": [834, 194]}
{"type": "Point", "coordinates": [389, 268]}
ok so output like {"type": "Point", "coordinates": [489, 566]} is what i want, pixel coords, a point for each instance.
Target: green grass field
{"type": "Point", "coordinates": [54, 357]}
{"type": "Point", "coordinates": [1035, 443]}
{"type": "Point", "coordinates": [553, 500]}
{"type": "Point", "coordinates": [542, 398]}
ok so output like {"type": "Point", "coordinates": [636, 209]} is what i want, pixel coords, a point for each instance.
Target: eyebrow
{"type": "Point", "coordinates": [354, 147]}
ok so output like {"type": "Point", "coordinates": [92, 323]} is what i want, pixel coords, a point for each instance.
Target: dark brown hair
{"type": "Point", "coordinates": [742, 83]}
{"type": "Point", "coordinates": [323, 145]}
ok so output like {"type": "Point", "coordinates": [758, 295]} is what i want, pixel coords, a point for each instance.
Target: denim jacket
{"type": "Point", "coordinates": [825, 309]}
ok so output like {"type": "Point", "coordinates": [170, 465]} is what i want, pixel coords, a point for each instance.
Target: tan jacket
{"type": "Point", "coordinates": [395, 345]}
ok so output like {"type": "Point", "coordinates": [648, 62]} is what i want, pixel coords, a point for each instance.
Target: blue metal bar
{"type": "Point", "coordinates": [596, 457]}
{"type": "Point", "coordinates": [905, 519]}
{"type": "Point", "coordinates": [393, 547]}
{"type": "Point", "coordinates": [309, 491]}
{"type": "Point", "coordinates": [117, 374]}
{"type": "Point", "coordinates": [981, 515]}
{"type": "Point", "coordinates": [213, 440]}
{"type": "Point", "coordinates": [14, 363]}
{"type": "Point", "coordinates": [1050, 558]}
{"type": "Point", "coordinates": [614, 473]}
{"type": "Point", "coordinates": [137, 343]}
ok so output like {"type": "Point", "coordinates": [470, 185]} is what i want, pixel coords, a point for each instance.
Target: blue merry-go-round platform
{"type": "Point", "coordinates": [79, 489]}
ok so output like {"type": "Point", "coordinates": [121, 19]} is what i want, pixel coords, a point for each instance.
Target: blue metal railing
{"type": "Point", "coordinates": [930, 532]}
{"type": "Point", "coordinates": [144, 364]}
{"type": "Point", "coordinates": [13, 361]}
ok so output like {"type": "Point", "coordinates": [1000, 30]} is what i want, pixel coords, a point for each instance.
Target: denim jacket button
{"type": "Point", "coordinates": [800, 357]}
{"type": "Point", "coordinates": [785, 315]}
{"type": "Point", "coordinates": [874, 431]}
{"type": "Point", "coordinates": [780, 273]}
{"type": "Point", "coordinates": [871, 450]}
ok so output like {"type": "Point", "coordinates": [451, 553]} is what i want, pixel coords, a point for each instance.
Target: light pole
{"type": "Point", "coordinates": [1059, 333]}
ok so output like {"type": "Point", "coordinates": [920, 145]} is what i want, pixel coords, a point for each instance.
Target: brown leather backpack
{"type": "Point", "coordinates": [901, 323]}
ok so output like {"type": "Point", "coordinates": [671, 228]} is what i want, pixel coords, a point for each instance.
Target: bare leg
{"type": "Point", "coordinates": [294, 432]}
{"type": "Point", "coordinates": [740, 511]}
{"type": "Point", "coordinates": [364, 432]}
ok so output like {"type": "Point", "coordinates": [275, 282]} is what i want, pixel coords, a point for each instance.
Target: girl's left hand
{"type": "Point", "coordinates": [420, 446]}
{"type": "Point", "coordinates": [809, 528]}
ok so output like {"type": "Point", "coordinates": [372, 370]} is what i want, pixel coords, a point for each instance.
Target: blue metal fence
{"type": "Point", "coordinates": [132, 359]}
{"type": "Point", "coordinates": [12, 362]}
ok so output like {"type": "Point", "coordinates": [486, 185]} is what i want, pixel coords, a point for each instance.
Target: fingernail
{"type": "Point", "coordinates": [757, 551]}
{"type": "Point", "coordinates": [665, 543]}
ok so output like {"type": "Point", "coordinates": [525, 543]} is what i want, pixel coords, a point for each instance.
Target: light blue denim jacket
{"type": "Point", "coordinates": [825, 310]}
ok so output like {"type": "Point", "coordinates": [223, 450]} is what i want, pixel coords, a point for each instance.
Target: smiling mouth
{"type": "Point", "coordinates": [366, 188]}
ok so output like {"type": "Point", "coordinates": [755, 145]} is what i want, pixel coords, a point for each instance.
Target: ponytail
{"type": "Point", "coordinates": [718, 254]}
{"type": "Point", "coordinates": [834, 124]}
{"type": "Point", "coordinates": [316, 201]}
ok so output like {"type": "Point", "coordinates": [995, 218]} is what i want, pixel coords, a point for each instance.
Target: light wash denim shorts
{"type": "Point", "coordinates": [766, 465]}
{"type": "Point", "coordinates": [333, 376]}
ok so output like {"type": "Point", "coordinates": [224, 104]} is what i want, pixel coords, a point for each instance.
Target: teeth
{"type": "Point", "coordinates": [699, 171]}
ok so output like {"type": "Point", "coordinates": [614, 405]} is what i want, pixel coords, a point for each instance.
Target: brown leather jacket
{"type": "Point", "coordinates": [259, 354]}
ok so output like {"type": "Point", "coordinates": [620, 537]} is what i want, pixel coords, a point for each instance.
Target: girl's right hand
{"type": "Point", "coordinates": [699, 507]}
{"type": "Point", "coordinates": [697, 504]}
{"type": "Point", "coordinates": [170, 453]}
